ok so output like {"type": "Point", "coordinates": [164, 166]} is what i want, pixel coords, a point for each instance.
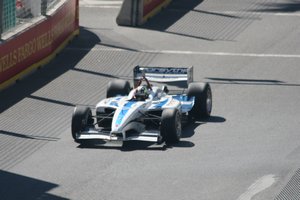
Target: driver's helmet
{"type": "Point", "coordinates": [142, 93]}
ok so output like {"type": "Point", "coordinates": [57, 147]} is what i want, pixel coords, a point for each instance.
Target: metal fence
{"type": "Point", "coordinates": [16, 12]}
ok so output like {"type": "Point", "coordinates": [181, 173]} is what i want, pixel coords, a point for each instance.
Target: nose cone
{"type": "Point", "coordinates": [125, 114]}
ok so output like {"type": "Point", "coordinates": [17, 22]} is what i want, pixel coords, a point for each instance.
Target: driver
{"type": "Point", "coordinates": [144, 79]}
{"type": "Point", "coordinates": [142, 92]}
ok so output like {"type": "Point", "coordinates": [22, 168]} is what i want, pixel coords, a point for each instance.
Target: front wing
{"type": "Point", "coordinates": [92, 133]}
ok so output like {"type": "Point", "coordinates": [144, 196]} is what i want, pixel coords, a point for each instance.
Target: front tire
{"type": "Point", "coordinates": [81, 119]}
{"type": "Point", "coordinates": [203, 100]}
{"type": "Point", "coordinates": [170, 126]}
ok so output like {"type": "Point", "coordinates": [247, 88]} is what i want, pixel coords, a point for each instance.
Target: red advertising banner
{"type": "Point", "coordinates": [38, 42]}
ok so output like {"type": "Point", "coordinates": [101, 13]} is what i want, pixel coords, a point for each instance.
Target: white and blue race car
{"type": "Point", "coordinates": [144, 112]}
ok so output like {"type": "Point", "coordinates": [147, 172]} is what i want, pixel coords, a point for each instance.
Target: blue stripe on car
{"type": "Point", "coordinates": [161, 104]}
{"type": "Point", "coordinates": [124, 111]}
{"type": "Point", "coordinates": [187, 107]}
{"type": "Point", "coordinates": [186, 102]}
{"type": "Point", "coordinates": [114, 102]}
{"type": "Point", "coordinates": [183, 98]}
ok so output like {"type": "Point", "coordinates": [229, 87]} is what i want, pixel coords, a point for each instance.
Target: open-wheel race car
{"type": "Point", "coordinates": [145, 112]}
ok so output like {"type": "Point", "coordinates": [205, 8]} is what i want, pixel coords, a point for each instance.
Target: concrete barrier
{"type": "Point", "coordinates": [137, 12]}
{"type": "Point", "coordinates": [36, 46]}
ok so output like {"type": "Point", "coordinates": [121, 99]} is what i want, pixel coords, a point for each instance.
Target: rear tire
{"type": "Point", "coordinates": [81, 119]}
{"type": "Point", "coordinates": [203, 100]}
{"type": "Point", "coordinates": [170, 126]}
{"type": "Point", "coordinates": [117, 87]}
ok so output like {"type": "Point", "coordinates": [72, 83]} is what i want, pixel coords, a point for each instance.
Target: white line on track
{"type": "Point", "coordinates": [221, 53]}
{"type": "Point", "coordinates": [258, 186]}
{"type": "Point", "coordinates": [170, 52]}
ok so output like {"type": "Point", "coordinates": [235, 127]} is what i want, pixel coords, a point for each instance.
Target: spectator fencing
{"type": "Point", "coordinates": [23, 50]}
{"type": "Point", "coordinates": [14, 13]}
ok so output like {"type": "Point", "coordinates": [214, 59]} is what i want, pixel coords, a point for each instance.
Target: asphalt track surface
{"type": "Point", "coordinates": [249, 150]}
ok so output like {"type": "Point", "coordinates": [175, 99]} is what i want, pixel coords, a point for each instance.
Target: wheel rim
{"type": "Point", "coordinates": [209, 101]}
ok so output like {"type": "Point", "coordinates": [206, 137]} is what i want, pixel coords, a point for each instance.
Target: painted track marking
{"type": "Point", "coordinates": [258, 186]}
{"type": "Point", "coordinates": [263, 55]}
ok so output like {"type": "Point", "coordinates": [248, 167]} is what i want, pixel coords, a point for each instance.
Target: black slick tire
{"type": "Point", "coordinates": [81, 119]}
{"type": "Point", "coordinates": [170, 126]}
{"type": "Point", "coordinates": [117, 87]}
{"type": "Point", "coordinates": [203, 100]}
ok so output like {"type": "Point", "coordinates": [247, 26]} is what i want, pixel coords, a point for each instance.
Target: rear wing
{"type": "Point", "coordinates": [167, 75]}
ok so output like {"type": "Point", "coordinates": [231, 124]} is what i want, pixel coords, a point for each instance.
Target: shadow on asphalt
{"type": "Point", "coordinates": [27, 136]}
{"type": "Point", "coordinates": [288, 6]}
{"type": "Point", "coordinates": [14, 186]}
{"type": "Point", "coordinates": [64, 62]}
{"type": "Point", "coordinates": [173, 13]}
{"type": "Point", "coordinates": [216, 119]}
{"type": "Point", "coordinates": [239, 81]}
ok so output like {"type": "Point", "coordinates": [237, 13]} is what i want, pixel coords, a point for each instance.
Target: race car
{"type": "Point", "coordinates": [145, 112]}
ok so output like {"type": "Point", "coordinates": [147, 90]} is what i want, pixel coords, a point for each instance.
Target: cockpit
{"type": "Point", "coordinates": [142, 93]}
{"type": "Point", "coordinates": [147, 91]}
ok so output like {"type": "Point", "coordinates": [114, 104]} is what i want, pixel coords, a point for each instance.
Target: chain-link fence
{"type": "Point", "coordinates": [16, 12]}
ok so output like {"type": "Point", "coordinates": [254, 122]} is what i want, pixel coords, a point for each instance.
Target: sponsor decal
{"type": "Point", "coordinates": [158, 70]}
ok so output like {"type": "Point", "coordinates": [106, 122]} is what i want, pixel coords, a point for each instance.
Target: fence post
{"type": "Point", "coordinates": [44, 7]}
{"type": "Point", "coordinates": [1, 17]}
